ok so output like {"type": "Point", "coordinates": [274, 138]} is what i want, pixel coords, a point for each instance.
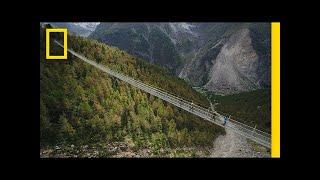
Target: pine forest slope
{"type": "Point", "coordinates": [81, 105]}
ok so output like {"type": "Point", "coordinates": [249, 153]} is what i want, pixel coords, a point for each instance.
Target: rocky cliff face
{"type": "Point", "coordinates": [235, 67]}
{"type": "Point", "coordinates": [197, 68]}
{"type": "Point", "coordinates": [238, 61]}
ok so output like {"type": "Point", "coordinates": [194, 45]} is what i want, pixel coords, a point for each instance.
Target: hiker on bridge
{"type": "Point", "coordinates": [191, 107]}
{"type": "Point", "coordinates": [213, 117]}
{"type": "Point", "coordinates": [225, 120]}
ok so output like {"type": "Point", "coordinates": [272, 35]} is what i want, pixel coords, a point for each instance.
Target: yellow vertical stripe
{"type": "Point", "coordinates": [47, 44]}
{"type": "Point", "coordinates": [65, 44]}
{"type": "Point", "coordinates": [275, 89]}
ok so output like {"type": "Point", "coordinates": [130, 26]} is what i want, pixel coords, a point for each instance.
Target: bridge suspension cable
{"type": "Point", "coordinates": [249, 132]}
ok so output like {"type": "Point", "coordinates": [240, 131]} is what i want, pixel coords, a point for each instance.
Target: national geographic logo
{"type": "Point", "coordinates": [65, 44]}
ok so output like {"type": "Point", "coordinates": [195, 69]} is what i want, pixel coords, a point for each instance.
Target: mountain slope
{"type": "Point", "coordinates": [81, 105]}
{"type": "Point", "coordinates": [197, 51]}
{"type": "Point", "coordinates": [156, 42]}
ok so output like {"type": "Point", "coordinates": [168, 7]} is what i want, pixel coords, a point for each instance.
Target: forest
{"type": "Point", "coordinates": [80, 105]}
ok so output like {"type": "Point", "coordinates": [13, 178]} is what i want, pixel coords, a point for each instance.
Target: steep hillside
{"type": "Point", "coordinates": [81, 106]}
{"type": "Point", "coordinates": [239, 66]}
{"type": "Point", "coordinates": [234, 57]}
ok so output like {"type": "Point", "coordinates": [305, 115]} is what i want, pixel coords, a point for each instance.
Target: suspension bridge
{"type": "Point", "coordinates": [249, 132]}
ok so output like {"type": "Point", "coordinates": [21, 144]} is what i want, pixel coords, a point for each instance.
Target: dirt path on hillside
{"type": "Point", "coordinates": [234, 145]}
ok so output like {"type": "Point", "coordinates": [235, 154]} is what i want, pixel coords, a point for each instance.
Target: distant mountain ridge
{"type": "Point", "coordinates": [221, 57]}
{"type": "Point", "coordinates": [80, 29]}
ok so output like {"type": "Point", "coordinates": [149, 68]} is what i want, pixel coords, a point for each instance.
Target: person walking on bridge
{"type": "Point", "coordinates": [191, 107]}
{"type": "Point", "coordinates": [225, 121]}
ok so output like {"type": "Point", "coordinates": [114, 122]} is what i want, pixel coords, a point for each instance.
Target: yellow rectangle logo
{"type": "Point", "coordinates": [65, 44]}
